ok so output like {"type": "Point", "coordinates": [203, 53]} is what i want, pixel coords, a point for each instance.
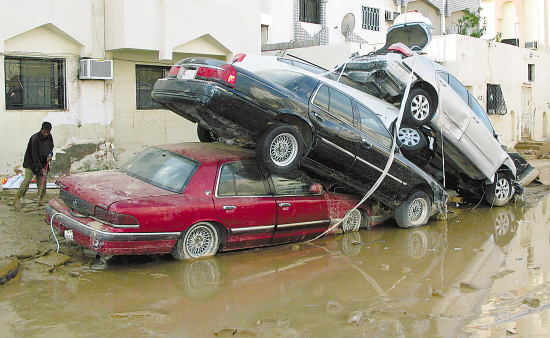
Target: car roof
{"type": "Point", "coordinates": [210, 152]}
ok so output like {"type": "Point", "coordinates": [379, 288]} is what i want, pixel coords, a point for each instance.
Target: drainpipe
{"type": "Point", "coordinates": [443, 17]}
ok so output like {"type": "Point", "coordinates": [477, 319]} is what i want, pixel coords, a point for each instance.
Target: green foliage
{"type": "Point", "coordinates": [472, 24]}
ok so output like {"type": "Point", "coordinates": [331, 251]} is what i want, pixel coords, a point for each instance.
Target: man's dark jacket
{"type": "Point", "coordinates": [38, 149]}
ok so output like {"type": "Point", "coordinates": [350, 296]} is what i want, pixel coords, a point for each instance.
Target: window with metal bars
{"type": "Point", "coordinates": [34, 83]}
{"type": "Point", "coordinates": [309, 11]}
{"type": "Point", "coordinates": [495, 100]}
{"type": "Point", "coordinates": [371, 18]}
{"type": "Point", "coordinates": [146, 76]}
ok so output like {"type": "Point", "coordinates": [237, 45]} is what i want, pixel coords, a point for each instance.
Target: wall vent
{"type": "Point", "coordinates": [531, 45]}
{"type": "Point", "coordinates": [96, 69]}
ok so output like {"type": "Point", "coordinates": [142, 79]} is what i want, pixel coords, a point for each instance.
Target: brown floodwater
{"type": "Point", "coordinates": [481, 273]}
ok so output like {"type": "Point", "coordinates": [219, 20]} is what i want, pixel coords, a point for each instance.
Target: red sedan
{"type": "Point", "coordinates": [193, 200]}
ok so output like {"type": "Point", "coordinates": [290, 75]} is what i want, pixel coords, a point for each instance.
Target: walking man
{"type": "Point", "coordinates": [39, 153]}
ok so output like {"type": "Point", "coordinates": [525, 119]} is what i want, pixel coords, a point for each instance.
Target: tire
{"type": "Point", "coordinates": [280, 148]}
{"type": "Point", "coordinates": [199, 240]}
{"type": "Point", "coordinates": [352, 221]}
{"type": "Point", "coordinates": [205, 135]}
{"type": "Point", "coordinates": [415, 211]}
{"type": "Point", "coordinates": [419, 109]}
{"type": "Point", "coordinates": [412, 139]}
{"type": "Point", "coordinates": [499, 192]}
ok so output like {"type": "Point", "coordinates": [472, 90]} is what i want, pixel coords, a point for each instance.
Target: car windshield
{"type": "Point", "coordinates": [161, 168]}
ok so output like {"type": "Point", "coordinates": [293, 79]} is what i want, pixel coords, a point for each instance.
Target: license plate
{"type": "Point", "coordinates": [189, 74]}
{"type": "Point", "coordinates": [68, 234]}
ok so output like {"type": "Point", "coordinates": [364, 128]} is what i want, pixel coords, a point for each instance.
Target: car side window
{"type": "Point", "coordinates": [457, 86]}
{"type": "Point", "coordinates": [373, 127]}
{"type": "Point", "coordinates": [336, 103]}
{"type": "Point", "coordinates": [340, 106]}
{"type": "Point", "coordinates": [241, 178]}
{"type": "Point", "coordinates": [295, 182]}
{"type": "Point", "coordinates": [322, 98]}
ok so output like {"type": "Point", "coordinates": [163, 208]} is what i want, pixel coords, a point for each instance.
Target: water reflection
{"type": "Point", "coordinates": [383, 282]}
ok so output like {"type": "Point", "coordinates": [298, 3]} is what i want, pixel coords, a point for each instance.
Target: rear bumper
{"type": "Point", "coordinates": [98, 237]}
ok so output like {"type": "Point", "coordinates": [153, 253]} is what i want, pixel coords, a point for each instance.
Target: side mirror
{"type": "Point", "coordinates": [316, 188]}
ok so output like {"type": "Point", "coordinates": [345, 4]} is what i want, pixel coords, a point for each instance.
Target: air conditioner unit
{"type": "Point", "coordinates": [531, 45]}
{"type": "Point", "coordinates": [390, 16]}
{"type": "Point", "coordinates": [96, 69]}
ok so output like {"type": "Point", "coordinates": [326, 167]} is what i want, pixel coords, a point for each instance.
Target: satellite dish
{"type": "Point", "coordinates": [348, 24]}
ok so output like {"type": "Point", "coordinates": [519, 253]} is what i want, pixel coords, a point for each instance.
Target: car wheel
{"type": "Point", "coordinates": [415, 211]}
{"type": "Point", "coordinates": [419, 109]}
{"type": "Point", "coordinates": [499, 192]}
{"type": "Point", "coordinates": [352, 221]}
{"type": "Point", "coordinates": [280, 148]}
{"type": "Point", "coordinates": [206, 135]}
{"type": "Point", "coordinates": [412, 139]}
{"type": "Point", "coordinates": [199, 240]}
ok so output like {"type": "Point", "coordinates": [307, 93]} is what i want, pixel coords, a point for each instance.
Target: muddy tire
{"type": "Point", "coordinates": [419, 109]}
{"type": "Point", "coordinates": [280, 148]}
{"type": "Point", "coordinates": [500, 192]}
{"type": "Point", "coordinates": [412, 140]}
{"type": "Point", "coordinates": [415, 211]}
{"type": "Point", "coordinates": [352, 221]}
{"type": "Point", "coordinates": [199, 240]}
{"type": "Point", "coordinates": [206, 135]}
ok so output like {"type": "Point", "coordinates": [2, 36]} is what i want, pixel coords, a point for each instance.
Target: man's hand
{"type": "Point", "coordinates": [49, 158]}
{"type": "Point", "coordinates": [43, 171]}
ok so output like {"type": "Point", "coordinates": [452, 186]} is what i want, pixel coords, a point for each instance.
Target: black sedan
{"type": "Point", "coordinates": [297, 117]}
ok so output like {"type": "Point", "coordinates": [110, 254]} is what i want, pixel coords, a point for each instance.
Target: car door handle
{"type": "Point", "coordinates": [367, 144]}
{"type": "Point", "coordinates": [284, 205]}
{"type": "Point", "coordinates": [229, 207]}
{"type": "Point", "coordinates": [318, 117]}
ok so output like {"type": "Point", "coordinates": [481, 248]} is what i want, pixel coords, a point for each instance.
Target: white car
{"type": "Point", "coordinates": [440, 109]}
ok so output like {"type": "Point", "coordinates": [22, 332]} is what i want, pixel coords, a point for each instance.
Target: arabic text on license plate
{"type": "Point", "coordinates": [189, 74]}
{"type": "Point", "coordinates": [68, 234]}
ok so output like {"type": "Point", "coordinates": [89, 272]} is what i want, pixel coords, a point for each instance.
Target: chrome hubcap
{"type": "Point", "coordinates": [417, 211]}
{"type": "Point", "coordinates": [283, 149]}
{"type": "Point", "coordinates": [420, 107]}
{"type": "Point", "coordinates": [502, 189]}
{"type": "Point", "coordinates": [408, 136]}
{"type": "Point", "coordinates": [200, 241]}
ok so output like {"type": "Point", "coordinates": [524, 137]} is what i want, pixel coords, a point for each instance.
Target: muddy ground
{"type": "Point", "coordinates": [481, 273]}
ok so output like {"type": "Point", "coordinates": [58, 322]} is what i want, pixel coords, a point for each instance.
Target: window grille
{"type": "Point", "coordinates": [495, 100]}
{"type": "Point", "coordinates": [309, 11]}
{"type": "Point", "coordinates": [34, 83]}
{"type": "Point", "coordinates": [371, 18]}
{"type": "Point", "coordinates": [146, 76]}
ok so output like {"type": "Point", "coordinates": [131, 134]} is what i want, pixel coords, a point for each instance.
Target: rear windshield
{"type": "Point", "coordinates": [161, 168]}
{"type": "Point", "coordinates": [299, 84]}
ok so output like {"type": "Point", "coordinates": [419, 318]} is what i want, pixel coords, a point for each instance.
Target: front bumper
{"type": "Point", "coordinates": [104, 239]}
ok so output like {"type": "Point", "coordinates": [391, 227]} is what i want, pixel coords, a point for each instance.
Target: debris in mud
{"type": "Point", "coordinates": [140, 314]}
{"type": "Point", "coordinates": [531, 301]}
{"type": "Point", "coordinates": [262, 328]}
{"type": "Point", "coordinates": [10, 268]}
{"type": "Point", "coordinates": [385, 267]}
{"type": "Point", "coordinates": [405, 270]}
{"type": "Point", "coordinates": [466, 285]}
{"type": "Point", "coordinates": [438, 293]}
{"type": "Point", "coordinates": [502, 274]}
{"type": "Point", "coordinates": [333, 307]}
{"type": "Point", "coordinates": [53, 260]}
{"type": "Point", "coordinates": [355, 318]}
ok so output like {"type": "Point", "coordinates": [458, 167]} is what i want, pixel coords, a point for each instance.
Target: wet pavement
{"type": "Point", "coordinates": [480, 273]}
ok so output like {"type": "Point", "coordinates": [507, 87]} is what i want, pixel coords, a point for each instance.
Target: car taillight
{"type": "Point", "coordinates": [116, 219]}
{"type": "Point", "coordinates": [401, 48]}
{"type": "Point", "coordinates": [238, 58]}
{"type": "Point", "coordinates": [225, 74]}
{"type": "Point", "coordinates": [174, 71]}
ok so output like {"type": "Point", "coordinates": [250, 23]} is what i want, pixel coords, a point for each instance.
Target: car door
{"type": "Point", "coordinates": [373, 153]}
{"type": "Point", "coordinates": [484, 149]}
{"type": "Point", "coordinates": [331, 114]}
{"type": "Point", "coordinates": [300, 213]}
{"type": "Point", "coordinates": [456, 114]}
{"type": "Point", "coordinates": [243, 203]}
